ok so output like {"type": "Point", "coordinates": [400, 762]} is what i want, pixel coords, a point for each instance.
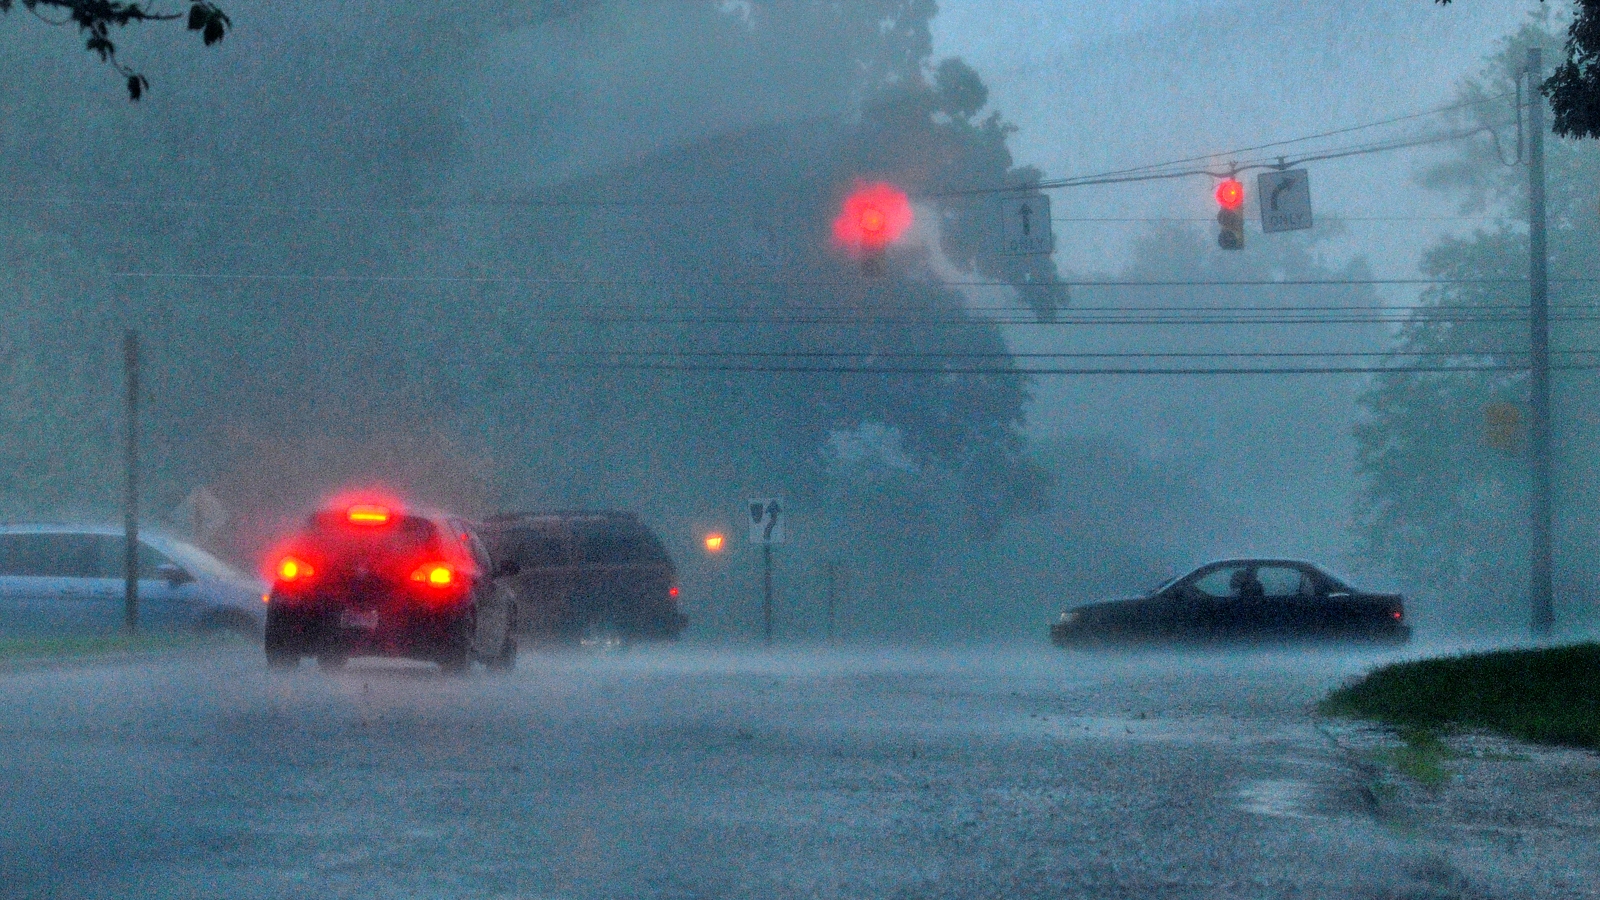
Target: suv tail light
{"type": "Point", "coordinates": [673, 592]}
{"type": "Point", "coordinates": [292, 569]}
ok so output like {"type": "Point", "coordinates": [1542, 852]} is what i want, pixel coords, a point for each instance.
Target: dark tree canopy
{"type": "Point", "coordinates": [96, 18]}
{"type": "Point", "coordinates": [1574, 88]}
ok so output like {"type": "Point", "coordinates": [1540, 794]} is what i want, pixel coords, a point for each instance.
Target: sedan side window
{"type": "Point", "coordinates": [1282, 582]}
{"type": "Point", "coordinates": [1219, 584]}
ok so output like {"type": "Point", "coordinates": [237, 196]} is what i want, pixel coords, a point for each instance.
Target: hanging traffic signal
{"type": "Point", "coordinates": [1230, 196]}
{"type": "Point", "coordinates": [871, 218]}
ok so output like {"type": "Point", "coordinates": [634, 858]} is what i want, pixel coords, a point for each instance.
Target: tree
{"type": "Point", "coordinates": [1574, 87]}
{"type": "Point", "coordinates": [96, 18]}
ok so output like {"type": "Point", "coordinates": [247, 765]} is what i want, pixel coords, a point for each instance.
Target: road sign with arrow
{"type": "Point", "coordinates": [766, 520]}
{"type": "Point", "coordinates": [1025, 225]}
{"type": "Point", "coordinates": [1285, 200]}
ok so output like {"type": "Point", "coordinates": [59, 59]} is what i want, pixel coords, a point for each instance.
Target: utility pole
{"type": "Point", "coordinates": [1540, 590]}
{"type": "Point", "coordinates": [766, 594]}
{"type": "Point", "coordinates": [831, 572]}
{"type": "Point", "coordinates": [130, 509]}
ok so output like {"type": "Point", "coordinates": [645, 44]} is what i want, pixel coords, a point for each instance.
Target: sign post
{"type": "Point", "coordinates": [130, 512]}
{"type": "Point", "coordinates": [766, 529]}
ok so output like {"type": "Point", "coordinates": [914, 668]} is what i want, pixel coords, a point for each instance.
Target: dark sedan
{"type": "Point", "coordinates": [1241, 599]}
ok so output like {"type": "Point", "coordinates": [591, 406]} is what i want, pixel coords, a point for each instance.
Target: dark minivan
{"type": "Point", "coordinates": [586, 576]}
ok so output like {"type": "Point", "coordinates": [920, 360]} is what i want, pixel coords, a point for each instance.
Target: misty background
{"type": "Point", "coordinates": [506, 255]}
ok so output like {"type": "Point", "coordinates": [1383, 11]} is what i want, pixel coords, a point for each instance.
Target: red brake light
{"type": "Point", "coordinates": [434, 575]}
{"type": "Point", "coordinates": [293, 569]}
{"type": "Point", "coordinates": [368, 514]}
{"type": "Point", "coordinates": [1395, 614]}
{"type": "Point", "coordinates": [672, 591]}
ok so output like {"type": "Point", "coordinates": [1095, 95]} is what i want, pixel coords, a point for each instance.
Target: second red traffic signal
{"type": "Point", "coordinates": [1230, 196]}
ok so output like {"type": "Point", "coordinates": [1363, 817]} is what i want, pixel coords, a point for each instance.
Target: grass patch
{"type": "Point", "coordinates": [1549, 696]}
{"type": "Point", "coordinates": [27, 648]}
{"type": "Point", "coordinates": [1422, 758]}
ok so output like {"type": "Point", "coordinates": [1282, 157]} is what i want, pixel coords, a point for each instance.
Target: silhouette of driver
{"type": "Point", "coordinates": [1245, 585]}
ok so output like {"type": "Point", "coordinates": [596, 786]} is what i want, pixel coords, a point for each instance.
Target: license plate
{"type": "Point", "coordinates": [352, 619]}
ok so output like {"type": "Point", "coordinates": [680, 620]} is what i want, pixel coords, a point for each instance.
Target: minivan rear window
{"type": "Point", "coordinates": [617, 543]}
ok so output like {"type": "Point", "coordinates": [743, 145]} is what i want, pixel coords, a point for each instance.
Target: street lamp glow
{"type": "Point", "coordinates": [714, 543]}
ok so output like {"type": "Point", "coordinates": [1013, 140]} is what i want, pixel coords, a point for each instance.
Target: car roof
{"type": "Point", "coordinates": [1258, 561]}
{"type": "Point", "coordinates": [513, 518]}
{"type": "Point", "coordinates": [59, 528]}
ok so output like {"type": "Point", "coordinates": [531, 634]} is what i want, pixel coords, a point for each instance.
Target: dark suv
{"type": "Point", "coordinates": [586, 576]}
{"type": "Point", "coordinates": [370, 580]}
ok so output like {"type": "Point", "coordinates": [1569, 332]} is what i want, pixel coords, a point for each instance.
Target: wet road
{"type": "Point", "coordinates": [692, 773]}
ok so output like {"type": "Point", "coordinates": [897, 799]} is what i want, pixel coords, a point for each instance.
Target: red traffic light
{"type": "Point", "coordinates": [1230, 194]}
{"type": "Point", "coordinates": [873, 217]}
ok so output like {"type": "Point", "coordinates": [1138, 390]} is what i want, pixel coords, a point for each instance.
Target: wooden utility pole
{"type": "Point", "coordinates": [130, 508]}
{"type": "Point", "coordinates": [1540, 590]}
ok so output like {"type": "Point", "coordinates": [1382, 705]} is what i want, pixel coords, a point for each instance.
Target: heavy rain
{"type": "Point", "coordinates": [795, 448]}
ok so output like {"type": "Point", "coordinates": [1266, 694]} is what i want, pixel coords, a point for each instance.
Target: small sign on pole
{"type": "Point", "coordinates": [766, 529]}
{"type": "Point", "coordinates": [1025, 225]}
{"type": "Point", "coordinates": [766, 520]}
{"type": "Point", "coordinates": [1285, 200]}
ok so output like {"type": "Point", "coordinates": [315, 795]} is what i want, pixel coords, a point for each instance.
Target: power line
{"type": "Point", "coordinates": [1062, 371]}
{"type": "Point", "coordinates": [876, 355]}
{"type": "Point", "coordinates": [1116, 176]}
{"type": "Point", "coordinates": [1312, 137]}
{"type": "Point", "coordinates": [826, 283]}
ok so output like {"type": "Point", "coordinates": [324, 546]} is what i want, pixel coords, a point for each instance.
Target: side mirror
{"type": "Point", "coordinates": [505, 568]}
{"type": "Point", "coordinates": [173, 574]}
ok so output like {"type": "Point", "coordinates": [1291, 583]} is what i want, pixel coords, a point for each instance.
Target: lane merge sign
{"type": "Point", "coordinates": [766, 520]}
{"type": "Point", "coordinates": [1285, 200]}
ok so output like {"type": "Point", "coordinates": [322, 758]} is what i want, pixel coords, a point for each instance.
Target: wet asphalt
{"type": "Point", "coordinates": [693, 772]}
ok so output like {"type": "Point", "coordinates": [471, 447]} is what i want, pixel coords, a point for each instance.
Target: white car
{"type": "Point", "coordinates": [69, 580]}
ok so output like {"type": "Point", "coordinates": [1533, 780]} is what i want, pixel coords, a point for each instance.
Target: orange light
{"type": "Point", "coordinates": [291, 569]}
{"type": "Point", "coordinates": [368, 514]}
{"type": "Point", "coordinates": [873, 220]}
{"type": "Point", "coordinates": [266, 598]}
{"type": "Point", "coordinates": [714, 542]}
{"type": "Point", "coordinates": [434, 575]}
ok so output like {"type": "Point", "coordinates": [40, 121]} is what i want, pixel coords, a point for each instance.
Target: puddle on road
{"type": "Point", "coordinates": [1283, 798]}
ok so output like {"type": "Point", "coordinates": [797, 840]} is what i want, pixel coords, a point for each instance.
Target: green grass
{"type": "Point", "coordinates": [33, 648]}
{"type": "Point", "coordinates": [1547, 696]}
{"type": "Point", "coordinates": [1422, 757]}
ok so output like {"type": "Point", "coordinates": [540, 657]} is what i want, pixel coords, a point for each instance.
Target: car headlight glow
{"type": "Point", "coordinates": [1069, 617]}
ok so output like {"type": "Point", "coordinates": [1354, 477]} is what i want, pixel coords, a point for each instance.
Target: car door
{"type": "Point", "coordinates": [1219, 609]}
{"type": "Point", "coordinates": [544, 583]}
{"type": "Point", "coordinates": [47, 585]}
{"type": "Point", "coordinates": [165, 603]}
{"type": "Point", "coordinates": [1282, 610]}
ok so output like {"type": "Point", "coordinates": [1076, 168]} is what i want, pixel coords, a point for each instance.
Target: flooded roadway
{"type": "Point", "coordinates": [694, 773]}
